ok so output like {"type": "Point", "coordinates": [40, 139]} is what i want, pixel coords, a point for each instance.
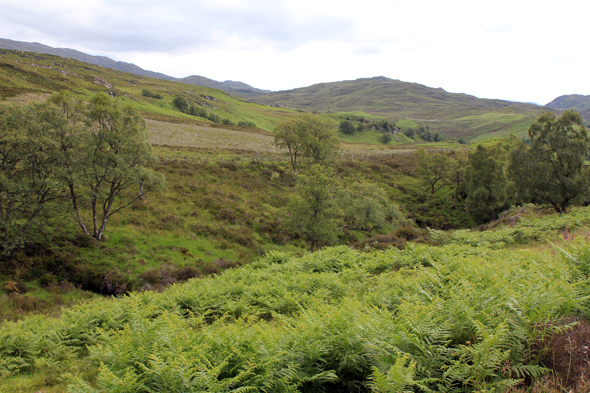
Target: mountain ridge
{"type": "Point", "coordinates": [454, 114]}
{"type": "Point", "coordinates": [578, 102]}
{"type": "Point", "coordinates": [238, 89]}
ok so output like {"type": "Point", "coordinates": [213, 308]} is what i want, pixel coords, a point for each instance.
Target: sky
{"type": "Point", "coordinates": [519, 50]}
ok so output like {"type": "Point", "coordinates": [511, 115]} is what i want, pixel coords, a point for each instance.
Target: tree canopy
{"type": "Point", "coordinates": [66, 151]}
{"type": "Point", "coordinates": [552, 170]}
{"type": "Point", "coordinates": [307, 136]}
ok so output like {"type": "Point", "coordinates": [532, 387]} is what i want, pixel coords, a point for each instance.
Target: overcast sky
{"type": "Point", "coordinates": [521, 50]}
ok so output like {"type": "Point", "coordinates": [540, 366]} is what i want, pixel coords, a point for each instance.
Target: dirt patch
{"type": "Point", "coordinates": [568, 355]}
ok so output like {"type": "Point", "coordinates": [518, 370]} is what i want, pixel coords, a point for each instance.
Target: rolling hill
{"type": "Point", "coordinates": [25, 73]}
{"type": "Point", "coordinates": [453, 114]}
{"type": "Point", "coordinates": [409, 105]}
{"type": "Point", "coordinates": [578, 102]}
{"type": "Point", "coordinates": [236, 88]}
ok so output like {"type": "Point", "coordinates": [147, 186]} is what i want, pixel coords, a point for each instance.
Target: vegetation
{"type": "Point", "coordinates": [453, 115]}
{"type": "Point", "coordinates": [217, 290]}
{"type": "Point", "coordinates": [306, 136]}
{"type": "Point", "coordinates": [553, 169]}
{"type": "Point", "coordinates": [447, 318]}
{"type": "Point", "coordinates": [95, 152]}
{"type": "Point", "coordinates": [147, 93]}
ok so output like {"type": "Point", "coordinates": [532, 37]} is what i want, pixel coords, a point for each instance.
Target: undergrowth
{"type": "Point", "coordinates": [451, 318]}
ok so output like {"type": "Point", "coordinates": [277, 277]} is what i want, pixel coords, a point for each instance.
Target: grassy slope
{"type": "Point", "coordinates": [457, 115]}
{"type": "Point", "coordinates": [213, 214]}
{"type": "Point", "coordinates": [483, 305]}
{"type": "Point", "coordinates": [26, 73]}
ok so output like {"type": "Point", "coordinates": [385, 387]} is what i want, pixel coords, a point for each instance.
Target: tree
{"type": "Point", "coordinates": [432, 170]}
{"type": "Point", "coordinates": [181, 104]}
{"type": "Point", "coordinates": [313, 209]}
{"type": "Point", "coordinates": [488, 185]}
{"type": "Point", "coordinates": [214, 118]}
{"type": "Point", "coordinates": [113, 155]}
{"type": "Point", "coordinates": [457, 176]}
{"type": "Point", "coordinates": [306, 136]}
{"type": "Point", "coordinates": [291, 135]}
{"type": "Point", "coordinates": [321, 141]}
{"type": "Point", "coordinates": [386, 138]}
{"type": "Point", "coordinates": [347, 127]}
{"type": "Point", "coordinates": [552, 170]}
{"type": "Point", "coordinates": [30, 171]}
{"type": "Point", "coordinates": [367, 206]}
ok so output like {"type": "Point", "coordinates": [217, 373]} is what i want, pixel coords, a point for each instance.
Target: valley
{"type": "Point", "coordinates": [406, 251]}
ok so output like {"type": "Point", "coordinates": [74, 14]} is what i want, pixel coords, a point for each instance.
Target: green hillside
{"type": "Point", "coordinates": [452, 114]}
{"type": "Point", "coordinates": [501, 310]}
{"type": "Point", "coordinates": [24, 73]}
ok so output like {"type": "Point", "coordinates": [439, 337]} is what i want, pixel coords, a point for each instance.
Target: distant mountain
{"type": "Point", "coordinates": [238, 89]}
{"type": "Point", "coordinates": [454, 114]}
{"type": "Point", "coordinates": [578, 102]}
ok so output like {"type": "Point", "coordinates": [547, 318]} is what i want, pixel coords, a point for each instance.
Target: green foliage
{"type": "Point", "coordinates": [30, 171]}
{"type": "Point", "coordinates": [488, 185]}
{"type": "Point", "coordinates": [347, 127]}
{"type": "Point", "coordinates": [147, 93]}
{"type": "Point", "coordinates": [110, 156]}
{"type": "Point", "coordinates": [306, 136]}
{"type": "Point", "coordinates": [553, 169]}
{"type": "Point", "coordinates": [214, 117]}
{"type": "Point", "coordinates": [433, 170]}
{"type": "Point", "coordinates": [181, 104]}
{"type": "Point", "coordinates": [312, 212]}
{"type": "Point", "coordinates": [247, 124]}
{"type": "Point", "coordinates": [451, 318]}
{"type": "Point", "coordinates": [386, 138]}
{"type": "Point", "coordinates": [366, 205]}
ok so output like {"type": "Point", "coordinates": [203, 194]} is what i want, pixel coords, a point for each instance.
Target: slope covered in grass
{"type": "Point", "coordinates": [447, 318]}
{"type": "Point", "coordinates": [451, 114]}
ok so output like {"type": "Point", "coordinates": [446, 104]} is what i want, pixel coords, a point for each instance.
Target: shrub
{"type": "Point", "coordinates": [247, 124]}
{"type": "Point", "coordinates": [147, 93]}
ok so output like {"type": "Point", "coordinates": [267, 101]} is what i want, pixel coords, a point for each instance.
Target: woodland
{"type": "Point", "coordinates": [155, 237]}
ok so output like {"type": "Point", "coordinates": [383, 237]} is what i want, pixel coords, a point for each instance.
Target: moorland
{"type": "Point", "coordinates": [386, 259]}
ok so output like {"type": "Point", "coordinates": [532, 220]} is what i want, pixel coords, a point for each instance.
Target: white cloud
{"type": "Point", "coordinates": [529, 50]}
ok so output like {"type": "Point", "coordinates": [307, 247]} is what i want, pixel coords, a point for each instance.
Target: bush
{"type": "Point", "coordinates": [147, 93]}
{"type": "Point", "coordinates": [247, 124]}
{"type": "Point", "coordinates": [347, 127]}
{"type": "Point", "coordinates": [181, 104]}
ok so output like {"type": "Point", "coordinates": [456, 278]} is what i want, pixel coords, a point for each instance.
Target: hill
{"type": "Point", "coordinates": [452, 114]}
{"type": "Point", "coordinates": [25, 73]}
{"type": "Point", "coordinates": [578, 102]}
{"type": "Point", "coordinates": [236, 88]}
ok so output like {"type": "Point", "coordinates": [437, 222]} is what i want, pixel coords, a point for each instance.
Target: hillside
{"type": "Point", "coordinates": [25, 73]}
{"type": "Point", "coordinates": [236, 88]}
{"type": "Point", "coordinates": [578, 102]}
{"type": "Point", "coordinates": [502, 310]}
{"type": "Point", "coordinates": [452, 114]}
